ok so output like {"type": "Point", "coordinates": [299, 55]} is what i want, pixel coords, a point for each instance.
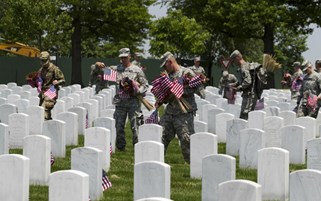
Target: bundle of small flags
{"type": "Point", "coordinates": [106, 184]}
{"type": "Point", "coordinates": [260, 104]}
{"type": "Point", "coordinates": [109, 74]}
{"type": "Point", "coordinates": [51, 92]}
{"type": "Point", "coordinates": [195, 81]}
{"type": "Point", "coordinates": [153, 118]}
{"type": "Point", "coordinates": [161, 88]}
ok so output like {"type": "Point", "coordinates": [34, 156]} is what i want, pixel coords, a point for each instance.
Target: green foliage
{"type": "Point", "coordinates": [178, 34]}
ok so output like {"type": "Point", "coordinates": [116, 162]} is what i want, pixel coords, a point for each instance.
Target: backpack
{"type": "Point", "coordinates": [259, 77]}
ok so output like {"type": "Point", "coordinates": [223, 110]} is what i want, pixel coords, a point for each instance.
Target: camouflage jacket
{"type": "Point", "coordinates": [231, 79]}
{"type": "Point", "coordinates": [173, 106]}
{"type": "Point", "coordinates": [49, 74]}
{"type": "Point", "coordinates": [311, 84]}
{"type": "Point", "coordinates": [296, 74]}
{"type": "Point", "coordinates": [133, 72]}
{"type": "Point", "coordinates": [245, 78]}
{"type": "Point", "coordinates": [96, 76]}
{"type": "Point", "coordinates": [198, 70]}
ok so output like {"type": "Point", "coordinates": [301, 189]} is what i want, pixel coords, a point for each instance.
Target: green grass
{"type": "Point", "coordinates": [121, 173]}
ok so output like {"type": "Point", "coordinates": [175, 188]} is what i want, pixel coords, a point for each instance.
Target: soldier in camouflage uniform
{"type": "Point", "coordinates": [318, 66]}
{"type": "Point", "coordinates": [296, 80]}
{"type": "Point", "coordinates": [130, 106]}
{"type": "Point", "coordinates": [199, 70]}
{"type": "Point", "coordinates": [311, 85]}
{"type": "Point", "coordinates": [137, 60]}
{"type": "Point", "coordinates": [227, 81]}
{"type": "Point", "coordinates": [96, 77]}
{"type": "Point", "coordinates": [174, 121]}
{"type": "Point", "coordinates": [50, 75]}
{"type": "Point", "coordinates": [246, 83]}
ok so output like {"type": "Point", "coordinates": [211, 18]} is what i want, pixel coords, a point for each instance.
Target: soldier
{"type": "Point", "coordinates": [318, 65]}
{"type": "Point", "coordinates": [137, 60]}
{"type": "Point", "coordinates": [246, 83]}
{"type": "Point", "coordinates": [96, 77]}
{"type": "Point", "coordinates": [131, 81]}
{"type": "Point", "coordinates": [175, 121]}
{"type": "Point", "coordinates": [296, 80]}
{"type": "Point", "coordinates": [199, 70]}
{"type": "Point", "coordinates": [50, 77]}
{"type": "Point", "coordinates": [227, 83]}
{"type": "Point", "coordinates": [309, 92]}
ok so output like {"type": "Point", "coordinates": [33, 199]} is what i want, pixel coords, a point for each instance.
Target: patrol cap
{"type": "Point", "coordinates": [225, 73]}
{"type": "Point", "coordinates": [124, 52]}
{"type": "Point", "coordinates": [296, 64]}
{"type": "Point", "coordinates": [234, 54]}
{"type": "Point", "coordinates": [44, 55]}
{"type": "Point", "coordinates": [165, 57]}
{"type": "Point", "coordinates": [197, 58]}
{"type": "Point", "coordinates": [306, 64]}
{"type": "Point", "coordinates": [138, 54]}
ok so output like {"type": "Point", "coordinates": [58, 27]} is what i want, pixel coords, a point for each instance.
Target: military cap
{"type": "Point", "coordinates": [165, 57]}
{"type": "Point", "coordinates": [306, 64]}
{"type": "Point", "coordinates": [234, 54]}
{"type": "Point", "coordinates": [44, 55]}
{"type": "Point", "coordinates": [318, 61]}
{"type": "Point", "coordinates": [138, 54]}
{"type": "Point", "coordinates": [197, 58]}
{"type": "Point", "coordinates": [124, 52]}
{"type": "Point", "coordinates": [296, 64]}
{"type": "Point", "coordinates": [225, 73]}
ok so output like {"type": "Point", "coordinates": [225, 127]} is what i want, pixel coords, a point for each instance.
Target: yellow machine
{"type": "Point", "coordinates": [20, 49]}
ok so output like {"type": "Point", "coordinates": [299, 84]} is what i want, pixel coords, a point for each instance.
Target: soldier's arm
{"type": "Point", "coordinates": [141, 78]}
{"type": "Point", "coordinates": [247, 80]}
{"type": "Point", "coordinates": [59, 77]}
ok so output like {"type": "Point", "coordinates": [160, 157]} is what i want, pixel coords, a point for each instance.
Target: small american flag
{"type": "Point", "coordinates": [39, 83]}
{"type": "Point", "coordinates": [153, 118]}
{"type": "Point", "coordinates": [51, 92]}
{"type": "Point", "coordinates": [260, 104]}
{"type": "Point", "coordinates": [110, 74]}
{"type": "Point", "coordinates": [52, 159]}
{"type": "Point", "coordinates": [110, 149]}
{"type": "Point", "coordinates": [195, 81]}
{"type": "Point", "coordinates": [106, 184]}
{"type": "Point", "coordinates": [178, 88]}
{"type": "Point", "coordinates": [87, 124]}
{"type": "Point", "coordinates": [162, 88]}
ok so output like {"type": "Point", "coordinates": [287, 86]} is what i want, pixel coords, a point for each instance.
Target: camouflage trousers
{"type": "Point", "coordinates": [134, 115]}
{"type": "Point", "coordinates": [201, 92]}
{"type": "Point", "coordinates": [178, 125]}
{"type": "Point", "coordinates": [48, 104]}
{"type": "Point", "coordinates": [248, 104]}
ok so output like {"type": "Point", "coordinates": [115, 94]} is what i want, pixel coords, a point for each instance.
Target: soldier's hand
{"type": "Point", "coordinates": [55, 82]}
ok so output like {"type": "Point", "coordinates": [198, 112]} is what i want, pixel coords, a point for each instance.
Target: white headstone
{"type": "Point", "coordinates": [251, 140]}
{"type": "Point", "coordinates": [217, 168]}
{"type": "Point", "coordinates": [107, 113]}
{"type": "Point", "coordinates": [14, 174]}
{"type": "Point", "coordinates": [99, 138]}
{"type": "Point", "coordinates": [310, 127]}
{"type": "Point", "coordinates": [89, 161]}
{"type": "Point", "coordinates": [233, 130]}
{"type": "Point", "coordinates": [293, 142]}
{"type": "Point", "coordinates": [36, 119]}
{"type": "Point", "coordinates": [239, 190]}
{"type": "Point", "coordinates": [305, 185]}
{"type": "Point", "coordinates": [221, 122]}
{"type": "Point", "coordinates": [71, 120]}
{"type": "Point", "coordinates": [37, 148]}
{"type": "Point", "coordinates": [22, 105]}
{"type": "Point", "coordinates": [12, 98]}
{"type": "Point", "coordinates": [272, 126]}
{"type": "Point", "coordinates": [18, 129]}
{"type": "Point", "coordinates": [205, 108]}
{"type": "Point", "coordinates": [34, 101]}
{"type": "Point", "coordinates": [149, 151]}
{"type": "Point", "coordinates": [81, 112]}
{"type": "Point", "coordinates": [273, 173]}
{"type": "Point", "coordinates": [69, 102]}
{"type": "Point", "coordinates": [149, 132]}
{"type": "Point", "coordinates": [256, 119]}
{"type": "Point", "coordinates": [288, 117]}
{"type": "Point", "coordinates": [75, 97]}
{"type": "Point", "coordinates": [69, 185]}
{"type": "Point", "coordinates": [59, 107]}
{"type": "Point", "coordinates": [108, 123]}
{"type": "Point", "coordinates": [202, 144]}
{"type": "Point", "coordinates": [212, 116]}
{"type": "Point", "coordinates": [314, 154]}
{"type": "Point", "coordinates": [89, 108]}
{"type": "Point", "coordinates": [56, 130]}
{"type": "Point", "coordinates": [151, 179]}
{"type": "Point", "coordinates": [4, 139]}
{"type": "Point", "coordinates": [200, 126]}
{"type": "Point", "coordinates": [5, 111]}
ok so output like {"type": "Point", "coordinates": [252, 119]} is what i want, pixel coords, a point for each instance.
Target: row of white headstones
{"type": "Point", "coordinates": [268, 142]}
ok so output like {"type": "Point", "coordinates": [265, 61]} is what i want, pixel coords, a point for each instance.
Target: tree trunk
{"type": "Point", "coordinates": [76, 77]}
{"type": "Point", "coordinates": [268, 40]}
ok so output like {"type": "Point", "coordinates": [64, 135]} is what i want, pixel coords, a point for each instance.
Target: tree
{"type": "Point", "coordinates": [178, 34]}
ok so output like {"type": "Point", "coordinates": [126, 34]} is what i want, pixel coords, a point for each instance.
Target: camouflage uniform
{"type": "Point", "coordinates": [296, 75]}
{"type": "Point", "coordinates": [130, 106]}
{"type": "Point", "coordinates": [227, 82]}
{"type": "Point", "coordinates": [174, 121]}
{"type": "Point", "coordinates": [246, 85]}
{"type": "Point", "coordinates": [48, 75]}
{"type": "Point", "coordinates": [199, 70]}
{"type": "Point", "coordinates": [311, 84]}
{"type": "Point", "coordinates": [96, 78]}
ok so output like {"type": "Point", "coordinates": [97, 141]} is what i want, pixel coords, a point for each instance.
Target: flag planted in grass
{"type": "Point", "coordinates": [153, 118]}
{"type": "Point", "coordinates": [106, 184]}
{"type": "Point", "coordinates": [260, 104]}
